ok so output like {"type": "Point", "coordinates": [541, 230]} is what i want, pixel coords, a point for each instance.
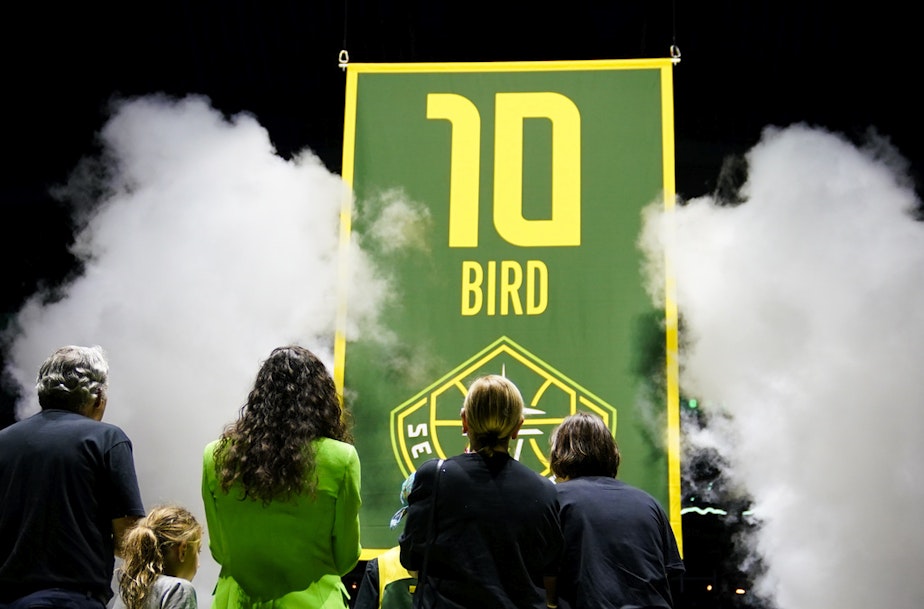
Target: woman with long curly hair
{"type": "Point", "coordinates": [281, 491]}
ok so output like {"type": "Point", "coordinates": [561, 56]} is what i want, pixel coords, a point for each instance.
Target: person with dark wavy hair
{"type": "Point", "coordinates": [281, 491]}
{"type": "Point", "coordinates": [620, 550]}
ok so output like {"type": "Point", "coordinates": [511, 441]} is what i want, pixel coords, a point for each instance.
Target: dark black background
{"type": "Point", "coordinates": [744, 66]}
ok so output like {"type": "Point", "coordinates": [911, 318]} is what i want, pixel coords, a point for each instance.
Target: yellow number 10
{"type": "Point", "coordinates": [563, 228]}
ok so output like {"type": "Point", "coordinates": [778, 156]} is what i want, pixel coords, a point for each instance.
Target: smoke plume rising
{"type": "Point", "coordinates": [803, 317]}
{"type": "Point", "coordinates": [201, 251]}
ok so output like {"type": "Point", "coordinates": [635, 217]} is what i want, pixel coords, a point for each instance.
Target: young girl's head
{"type": "Point", "coordinates": [492, 413]}
{"type": "Point", "coordinates": [165, 542]}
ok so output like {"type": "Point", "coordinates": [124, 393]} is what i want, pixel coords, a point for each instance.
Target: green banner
{"type": "Point", "coordinates": [515, 192]}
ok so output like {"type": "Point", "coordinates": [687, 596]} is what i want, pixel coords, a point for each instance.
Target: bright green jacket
{"type": "Point", "coordinates": [287, 554]}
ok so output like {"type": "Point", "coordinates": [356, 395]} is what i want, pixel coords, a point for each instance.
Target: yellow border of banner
{"type": "Point", "coordinates": [667, 134]}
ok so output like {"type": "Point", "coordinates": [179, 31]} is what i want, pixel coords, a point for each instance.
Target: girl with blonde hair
{"type": "Point", "coordinates": [161, 556]}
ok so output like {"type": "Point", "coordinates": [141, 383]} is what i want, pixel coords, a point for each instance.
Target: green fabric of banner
{"type": "Point", "coordinates": [502, 207]}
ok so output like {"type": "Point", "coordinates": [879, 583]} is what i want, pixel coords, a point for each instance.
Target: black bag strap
{"type": "Point", "coordinates": [422, 576]}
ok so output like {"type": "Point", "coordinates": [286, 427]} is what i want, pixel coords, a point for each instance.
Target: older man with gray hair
{"type": "Point", "coordinates": [69, 490]}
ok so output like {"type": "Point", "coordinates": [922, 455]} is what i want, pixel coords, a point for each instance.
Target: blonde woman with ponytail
{"type": "Point", "coordinates": [161, 556]}
{"type": "Point", "coordinates": [482, 529]}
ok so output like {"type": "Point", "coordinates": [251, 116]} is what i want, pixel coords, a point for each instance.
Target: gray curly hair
{"type": "Point", "coordinates": [72, 377]}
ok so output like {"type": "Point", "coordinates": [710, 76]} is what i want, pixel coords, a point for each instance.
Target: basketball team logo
{"type": "Point", "coordinates": [429, 426]}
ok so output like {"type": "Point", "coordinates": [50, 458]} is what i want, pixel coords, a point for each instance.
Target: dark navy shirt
{"type": "Point", "coordinates": [63, 479]}
{"type": "Point", "coordinates": [620, 550]}
{"type": "Point", "coordinates": [497, 533]}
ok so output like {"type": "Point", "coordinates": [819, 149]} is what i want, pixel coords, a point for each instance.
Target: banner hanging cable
{"type": "Point", "coordinates": [674, 50]}
{"type": "Point", "coordinates": [343, 59]}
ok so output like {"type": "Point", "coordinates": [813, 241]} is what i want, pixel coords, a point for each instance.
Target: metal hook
{"type": "Point", "coordinates": [675, 53]}
{"type": "Point", "coordinates": [344, 59]}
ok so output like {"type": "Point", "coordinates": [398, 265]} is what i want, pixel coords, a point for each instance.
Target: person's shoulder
{"type": "Point", "coordinates": [523, 469]}
{"type": "Point", "coordinates": [110, 428]}
{"type": "Point", "coordinates": [328, 449]}
{"type": "Point", "coordinates": [208, 453]}
{"type": "Point", "coordinates": [431, 465]}
{"type": "Point", "coordinates": [645, 498]}
{"type": "Point", "coordinates": [175, 592]}
{"type": "Point", "coordinates": [528, 476]}
{"type": "Point", "coordinates": [92, 427]}
{"type": "Point", "coordinates": [169, 582]}
{"type": "Point", "coordinates": [588, 484]}
{"type": "Point", "coordinates": [332, 445]}
{"type": "Point", "coordinates": [56, 416]}
{"type": "Point", "coordinates": [593, 485]}
{"type": "Point", "coordinates": [425, 474]}
{"type": "Point", "coordinates": [73, 420]}
{"type": "Point", "coordinates": [14, 428]}
{"type": "Point", "coordinates": [629, 489]}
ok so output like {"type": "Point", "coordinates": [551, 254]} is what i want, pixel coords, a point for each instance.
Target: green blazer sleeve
{"type": "Point", "coordinates": [346, 516]}
{"type": "Point", "coordinates": [209, 490]}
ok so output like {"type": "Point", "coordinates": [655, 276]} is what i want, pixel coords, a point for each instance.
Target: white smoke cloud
{"type": "Point", "coordinates": [804, 312]}
{"type": "Point", "coordinates": [206, 252]}
{"type": "Point", "coordinates": [398, 223]}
